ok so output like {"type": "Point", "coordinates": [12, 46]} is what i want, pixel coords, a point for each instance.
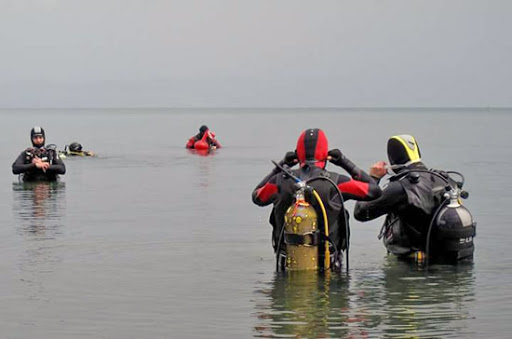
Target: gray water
{"type": "Point", "coordinates": [150, 240]}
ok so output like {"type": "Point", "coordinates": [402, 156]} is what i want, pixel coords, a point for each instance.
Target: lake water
{"type": "Point", "coordinates": [150, 240]}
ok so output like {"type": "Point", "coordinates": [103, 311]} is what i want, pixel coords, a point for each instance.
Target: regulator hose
{"type": "Point", "coordinates": [344, 215]}
{"type": "Point", "coordinates": [327, 255]}
{"type": "Point", "coordinates": [434, 217]}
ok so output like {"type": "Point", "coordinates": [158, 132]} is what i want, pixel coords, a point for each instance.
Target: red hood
{"type": "Point", "coordinates": [312, 147]}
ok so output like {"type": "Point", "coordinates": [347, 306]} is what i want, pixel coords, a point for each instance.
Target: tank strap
{"type": "Point", "coordinates": [454, 245]}
{"type": "Point", "coordinates": [455, 233]}
{"type": "Point", "coordinates": [306, 239]}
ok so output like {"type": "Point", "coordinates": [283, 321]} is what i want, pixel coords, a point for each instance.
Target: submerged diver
{"type": "Point", "coordinates": [413, 202]}
{"type": "Point", "coordinates": [75, 149]}
{"type": "Point", "coordinates": [205, 139]}
{"type": "Point", "coordinates": [39, 163]}
{"type": "Point", "coordinates": [312, 155]}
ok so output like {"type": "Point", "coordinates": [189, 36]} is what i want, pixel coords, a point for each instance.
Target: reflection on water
{"type": "Point", "coordinates": [39, 209]}
{"type": "Point", "coordinates": [302, 305]}
{"type": "Point", "coordinates": [427, 303]}
{"type": "Point", "coordinates": [204, 167]}
{"type": "Point", "coordinates": [397, 300]}
{"type": "Point", "coordinates": [202, 152]}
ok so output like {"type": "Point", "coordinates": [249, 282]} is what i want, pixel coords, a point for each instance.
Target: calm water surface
{"type": "Point", "coordinates": [150, 240]}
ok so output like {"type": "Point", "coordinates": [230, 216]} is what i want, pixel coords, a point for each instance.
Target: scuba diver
{"type": "Point", "coordinates": [424, 215]}
{"type": "Point", "coordinates": [75, 149]}
{"type": "Point", "coordinates": [324, 191]}
{"type": "Point", "coordinates": [39, 162]}
{"type": "Point", "coordinates": [205, 139]}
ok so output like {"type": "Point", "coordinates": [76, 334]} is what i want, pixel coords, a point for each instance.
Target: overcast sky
{"type": "Point", "coordinates": [259, 53]}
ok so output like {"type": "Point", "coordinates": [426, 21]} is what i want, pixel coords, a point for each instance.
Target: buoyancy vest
{"type": "Point", "coordinates": [46, 155]}
{"type": "Point", "coordinates": [405, 229]}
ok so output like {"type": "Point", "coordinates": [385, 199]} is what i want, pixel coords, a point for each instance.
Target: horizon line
{"type": "Point", "coordinates": [263, 107]}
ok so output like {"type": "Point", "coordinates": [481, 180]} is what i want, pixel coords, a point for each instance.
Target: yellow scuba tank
{"type": "Point", "coordinates": [301, 235]}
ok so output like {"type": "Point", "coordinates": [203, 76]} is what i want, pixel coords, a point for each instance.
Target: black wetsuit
{"type": "Point", "coordinates": [279, 189]}
{"type": "Point", "coordinates": [23, 165]}
{"type": "Point", "coordinates": [409, 201]}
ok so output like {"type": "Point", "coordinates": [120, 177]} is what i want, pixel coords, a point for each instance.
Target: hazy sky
{"type": "Point", "coordinates": [264, 53]}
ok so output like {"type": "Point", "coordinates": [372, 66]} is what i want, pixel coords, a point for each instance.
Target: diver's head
{"type": "Point", "coordinates": [75, 147]}
{"type": "Point", "coordinates": [312, 148]}
{"type": "Point", "coordinates": [203, 129]}
{"type": "Point", "coordinates": [403, 150]}
{"type": "Point", "coordinates": [37, 136]}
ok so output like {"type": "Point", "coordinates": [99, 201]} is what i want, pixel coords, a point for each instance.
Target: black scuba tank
{"type": "Point", "coordinates": [453, 230]}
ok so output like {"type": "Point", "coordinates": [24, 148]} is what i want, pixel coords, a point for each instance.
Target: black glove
{"type": "Point", "coordinates": [336, 156]}
{"type": "Point", "coordinates": [290, 159]}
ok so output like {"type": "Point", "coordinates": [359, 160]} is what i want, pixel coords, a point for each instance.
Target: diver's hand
{"type": "Point", "coordinates": [378, 170]}
{"type": "Point", "coordinates": [335, 156]}
{"type": "Point", "coordinates": [37, 162]}
{"type": "Point", "coordinates": [40, 164]}
{"type": "Point", "coordinates": [290, 159]}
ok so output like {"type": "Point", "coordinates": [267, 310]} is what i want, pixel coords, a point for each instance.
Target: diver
{"type": "Point", "coordinates": [39, 162]}
{"type": "Point", "coordinates": [413, 201]}
{"type": "Point", "coordinates": [205, 139]}
{"type": "Point", "coordinates": [75, 149]}
{"type": "Point", "coordinates": [312, 154]}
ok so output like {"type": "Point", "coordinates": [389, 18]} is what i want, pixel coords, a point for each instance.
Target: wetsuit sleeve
{"type": "Point", "coordinates": [190, 143]}
{"type": "Point", "coordinates": [216, 143]}
{"type": "Point", "coordinates": [360, 186]}
{"type": "Point", "coordinates": [267, 190]}
{"type": "Point", "coordinates": [57, 166]}
{"type": "Point", "coordinates": [354, 171]}
{"type": "Point", "coordinates": [392, 198]}
{"type": "Point", "coordinates": [212, 141]}
{"type": "Point", "coordinates": [19, 166]}
{"type": "Point", "coordinates": [358, 190]}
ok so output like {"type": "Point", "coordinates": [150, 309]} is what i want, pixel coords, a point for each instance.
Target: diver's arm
{"type": "Point", "coordinates": [339, 159]}
{"type": "Point", "coordinates": [19, 166]}
{"type": "Point", "coordinates": [393, 196]}
{"type": "Point", "coordinates": [358, 190]}
{"type": "Point", "coordinates": [57, 166]}
{"type": "Point", "coordinates": [266, 191]}
{"type": "Point", "coordinates": [190, 143]}
{"type": "Point", "coordinates": [213, 142]}
{"type": "Point", "coordinates": [216, 143]}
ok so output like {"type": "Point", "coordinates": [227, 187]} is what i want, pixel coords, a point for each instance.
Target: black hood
{"type": "Point", "coordinates": [403, 150]}
{"type": "Point", "coordinates": [37, 130]}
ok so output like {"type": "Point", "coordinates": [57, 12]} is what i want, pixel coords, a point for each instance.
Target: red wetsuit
{"type": "Point", "coordinates": [278, 189]}
{"type": "Point", "coordinates": [207, 137]}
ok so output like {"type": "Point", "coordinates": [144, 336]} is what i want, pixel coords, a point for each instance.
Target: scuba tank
{"type": "Point", "coordinates": [301, 234]}
{"type": "Point", "coordinates": [307, 246]}
{"type": "Point", "coordinates": [450, 228]}
{"type": "Point", "coordinates": [453, 229]}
